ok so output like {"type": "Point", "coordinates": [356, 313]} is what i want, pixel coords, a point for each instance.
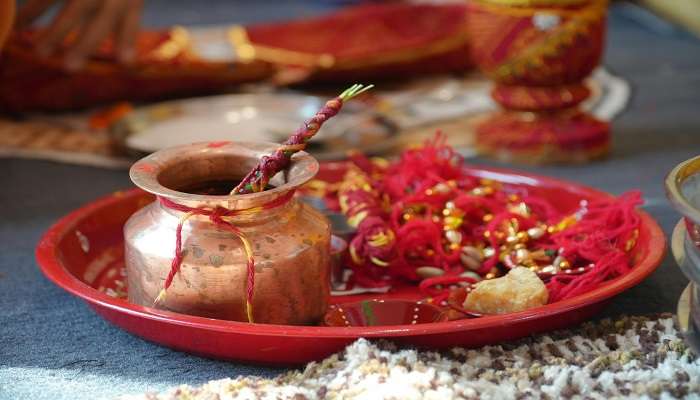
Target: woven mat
{"type": "Point", "coordinates": [633, 357]}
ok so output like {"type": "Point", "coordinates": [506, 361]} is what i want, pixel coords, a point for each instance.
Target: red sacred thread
{"type": "Point", "coordinates": [400, 201]}
{"type": "Point", "coordinates": [217, 216]}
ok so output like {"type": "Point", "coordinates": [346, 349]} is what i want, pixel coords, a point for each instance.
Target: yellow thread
{"type": "Point", "coordinates": [353, 254]}
{"type": "Point", "coordinates": [381, 239]}
{"type": "Point", "coordinates": [248, 52]}
{"type": "Point", "coordinates": [356, 219]}
{"type": "Point", "coordinates": [247, 248]}
{"type": "Point", "coordinates": [379, 262]}
{"type": "Point", "coordinates": [249, 311]}
{"type": "Point", "coordinates": [160, 297]}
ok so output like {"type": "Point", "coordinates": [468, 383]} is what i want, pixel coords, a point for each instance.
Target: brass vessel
{"type": "Point", "coordinates": [290, 242]}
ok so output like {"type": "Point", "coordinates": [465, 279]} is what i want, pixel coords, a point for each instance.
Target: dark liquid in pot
{"type": "Point", "coordinates": [217, 187]}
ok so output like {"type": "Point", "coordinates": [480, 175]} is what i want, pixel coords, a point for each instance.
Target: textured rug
{"type": "Point", "coordinates": [633, 357]}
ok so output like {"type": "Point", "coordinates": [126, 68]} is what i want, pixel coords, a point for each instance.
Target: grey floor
{"type": "Point", "coordinates": [52, 346]}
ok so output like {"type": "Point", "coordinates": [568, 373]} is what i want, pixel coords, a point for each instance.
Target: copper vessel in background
{"type": "Point", "coordinates": [683, 190]}
{"type": "Point", "coordinates": [291, 242]}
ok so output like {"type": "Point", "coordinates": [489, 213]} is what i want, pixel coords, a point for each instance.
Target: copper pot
{"type": "Point", "coordinates": [290, 242]}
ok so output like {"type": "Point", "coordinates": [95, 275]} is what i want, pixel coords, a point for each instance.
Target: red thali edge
{"type": "Point", "coordinates": [82, 245]}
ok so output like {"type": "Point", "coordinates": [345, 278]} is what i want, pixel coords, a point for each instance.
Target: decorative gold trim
{"type": "Point", "coordinates": [536, 3]}
{"type": "Point", "coordinates": [248, 51]}
{"type": "Point", "coordinates": [550, 44]}
{"type": "Point", "coordinates": [178, 43]}
{"type": "Point", "coordinates": [495, 7]}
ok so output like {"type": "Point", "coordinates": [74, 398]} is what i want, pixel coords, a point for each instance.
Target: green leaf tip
{"type": "Point", "coordinates": [354, 90]}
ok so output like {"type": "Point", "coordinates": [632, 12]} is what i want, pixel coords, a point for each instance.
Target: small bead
{"type": "Point", "coordinates": [482, 191]}
{"type": "Point", "coordinates": [489, 252]}
{"type": "Point", "coordinates": [557, 260]}
{"type": "Point", "coordinates": [522, 255]}
{"type": "Point", "coordinates": [487, 217]}
{"type": "Point", "coordinates": [450, 205]}
{"type": "Point", "coordinates": [453, 236]}
{"type": "Point", "coordinates": [493, 273]}
{"type": "Point", "coordinates": [522, 236]}
{"type": "Point", "coordinates": [441, 188]}
{"type": "Point", "coordinates": [549, 269]}
{"type": "Point", "coordinates": [452, 222]}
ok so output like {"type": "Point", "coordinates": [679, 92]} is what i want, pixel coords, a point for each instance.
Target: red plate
{"type": "Point", "coordinates": [83, 252]}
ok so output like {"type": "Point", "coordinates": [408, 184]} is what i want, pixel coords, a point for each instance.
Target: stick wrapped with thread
{"type": "Point", "coordinates": [258, 178]}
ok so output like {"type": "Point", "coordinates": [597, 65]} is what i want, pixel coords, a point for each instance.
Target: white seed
{"type": "Point", "coordinates": [454, 236]}
{"type": "Point", "coordinates": [535, 233]}
{"type": "Point", "coordinates": [473, 252]}
{"type": "Point", "coordinates": [550, 269]}
{"type": "Point", "coordinates": [441, 188]}
{"type": "Point", "coordinates": [450, 205]}
{"type": "Point", "coordinates": [522, 255]}
{"type": "Point", "coordinates": [489, 252]}
{"type": "Point", "coordinates": [429, 272]}
{"type": "Point", "coordinates": [512, 239]}
{"type": "Point", "coordinates": [557, 261]}
{"type": "Point", "coordinates": [471, 274]}
{"type": "Point", "coordinates": [470, 262]}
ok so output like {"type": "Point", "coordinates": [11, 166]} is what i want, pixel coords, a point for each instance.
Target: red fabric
{"type": "Point", "coordinates": [375, 41]}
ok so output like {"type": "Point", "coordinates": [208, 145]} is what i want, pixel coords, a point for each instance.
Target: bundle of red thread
{"type": "Point", "coordinates": [424, 219]}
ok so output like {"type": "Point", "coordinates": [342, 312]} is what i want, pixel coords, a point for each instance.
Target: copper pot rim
{"type": "Point", "coordinates": [674, 188]}
{"type": "Point", "coordinates": [145, 172]}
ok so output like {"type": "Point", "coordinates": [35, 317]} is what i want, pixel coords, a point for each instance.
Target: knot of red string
{"type": "Point", "coordinates": [218, 216]}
